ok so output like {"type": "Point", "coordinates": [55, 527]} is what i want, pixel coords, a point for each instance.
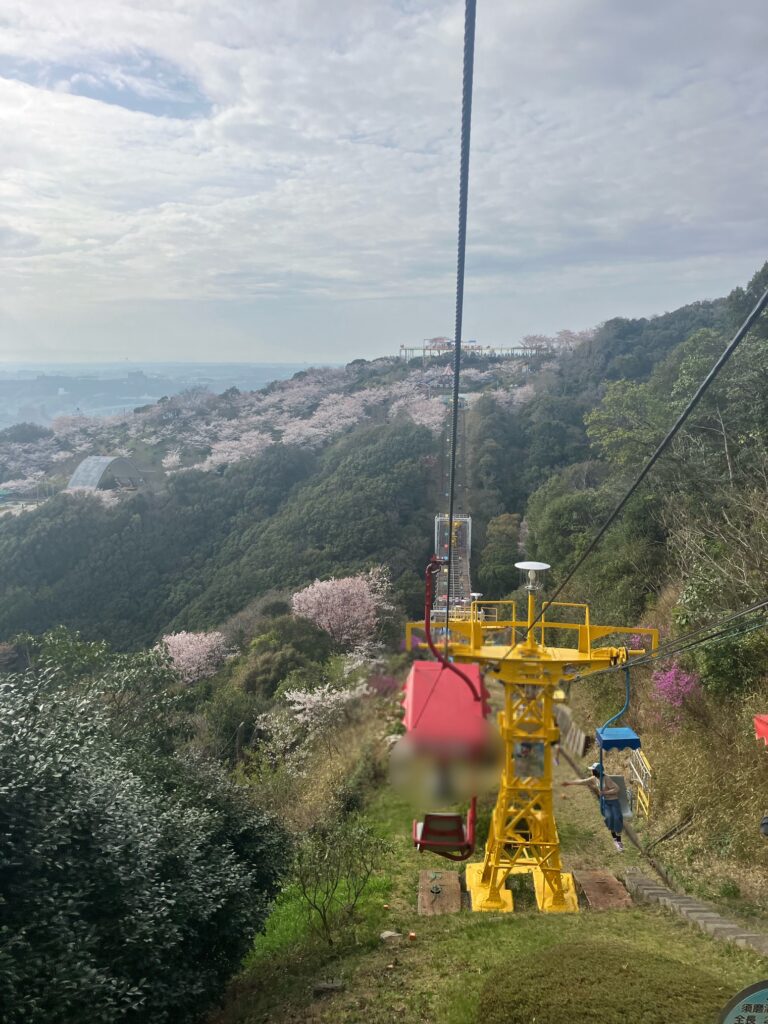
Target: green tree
{"type": "Point", "coordinates": [497, 575]}
{"type": "Point", "coordinates": [332, 870]}
{"type": "Point", "coordinates": [133, 879]}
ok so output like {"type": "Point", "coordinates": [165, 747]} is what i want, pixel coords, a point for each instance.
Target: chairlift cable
{"type": "Point", "coordinates": [695, 638]}
{"type": "Point", "coordinates": [738, 337]}
{"type": "Point", "coordinates": [466, 125]}
{"type": "Point", "coordinates": [723, 634]}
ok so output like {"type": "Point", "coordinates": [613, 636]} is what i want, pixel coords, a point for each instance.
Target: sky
{"type": "Point", "coordinates": [277, 179]}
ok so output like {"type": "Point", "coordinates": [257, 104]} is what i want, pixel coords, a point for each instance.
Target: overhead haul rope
{"type": "Point", "coordinates": [686, 642]}
{"type": "Point", "coordinates": [738, 337]}
{"type": "Point", "coordinates": [466, 125]}
{"type": "Point", "coordinates": [698, 637]}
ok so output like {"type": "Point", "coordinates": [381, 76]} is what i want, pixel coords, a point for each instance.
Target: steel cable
{"type": "Point", "coordinates": [696, 637]}
{"type": "Point", "coordinates": [760, 305]}
{"type": "Point", "coordinates": [466, 125]}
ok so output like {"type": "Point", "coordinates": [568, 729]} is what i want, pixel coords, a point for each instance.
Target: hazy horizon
{"type": "Point", "coordinates": [21, 363]}
{"type": "Point", "coordinates": [41, 392]}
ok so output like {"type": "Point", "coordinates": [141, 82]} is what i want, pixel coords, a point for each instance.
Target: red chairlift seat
{"type": "Point", "coordinates": [446, 834]}
{"type": "Point", "coordinates": [443, 719]}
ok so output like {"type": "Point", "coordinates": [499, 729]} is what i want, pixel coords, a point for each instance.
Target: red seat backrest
{"type": "Point", "coordinates": [443, 828]}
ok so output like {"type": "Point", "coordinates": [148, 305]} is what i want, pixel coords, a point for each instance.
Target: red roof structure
{"type": "Point", "coordinates": [441, 714]}
{"type": "Point", "coordinates": [761, 727]}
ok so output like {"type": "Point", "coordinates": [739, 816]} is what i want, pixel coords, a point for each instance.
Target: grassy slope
{"type": "Point", "coordinates": [709, 769]}
{"type": "Point", "coordinates": [439, 977]}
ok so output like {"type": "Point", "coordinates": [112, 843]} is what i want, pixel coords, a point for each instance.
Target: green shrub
{"type": "Point", "coordinates": [229, 706]}
{"type": "Point", "coordinates": [291, 644]}
{"type": "Point", "coordinates": [131, 882]}
{"type": "Point", "coordinates": [24, 433]}
{"type": "Point", "coordinates": [357, 787]}
{"type": "Point", "coordinates": [332, 870]}
{"type": "Point", "coordinates": [733, 664]}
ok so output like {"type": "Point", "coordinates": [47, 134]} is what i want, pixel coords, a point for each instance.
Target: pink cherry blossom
{"type": "Point", "coordinates": [348, 609]}
{"type": "Point", "coordinates": [196, 655]}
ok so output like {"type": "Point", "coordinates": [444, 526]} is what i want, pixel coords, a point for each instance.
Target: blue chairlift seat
{"type": "Point", "coordinates": [617, 738]}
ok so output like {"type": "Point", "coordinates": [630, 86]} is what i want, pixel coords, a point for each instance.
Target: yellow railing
{"type": "Point", "coordinates": [641, 774]}
{"type": "Point", "coordinates": [484, 623]}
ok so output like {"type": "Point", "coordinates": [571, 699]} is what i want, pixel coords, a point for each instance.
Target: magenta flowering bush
{"type": "Point", "coordinates": [675, 686]}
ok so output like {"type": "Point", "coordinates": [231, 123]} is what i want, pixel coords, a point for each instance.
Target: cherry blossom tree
{"type": "Point", "coordinates": [335, 414]}
{"type": "Point", "coordinates": [348, 609]}
{"type": "Point", "coordinates": [26, 485]}
{"type": "Point", "coordinates": [281, 745]}
{"type": "Point", "coordinates": [172, 459]}
{"type": "Point", "coordinates": [196, 655]}
{"type": "Point", "coordinates": [107, 498]}
{"type": "Point", "coordinates": [425, 412]}
{"type": "Point", "coordinates": [321, 710]}
{"type": "Point", "coordinates": [247, 445]}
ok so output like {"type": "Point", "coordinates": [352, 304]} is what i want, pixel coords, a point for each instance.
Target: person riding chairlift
{"type": "Point", "coordinates": [610, 803]}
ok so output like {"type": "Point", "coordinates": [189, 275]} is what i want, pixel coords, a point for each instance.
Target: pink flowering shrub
{"type": "Point", "coordinates": [196, 655]}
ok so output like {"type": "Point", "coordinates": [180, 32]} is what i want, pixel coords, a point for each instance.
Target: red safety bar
{"type": "Point", "coordinates": [761, 727]}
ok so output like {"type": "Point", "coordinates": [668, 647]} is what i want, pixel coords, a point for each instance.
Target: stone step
{"type": "Point", "coordinates": [745, 940]}
{"type": "Point", "coordinates": [722, 929]}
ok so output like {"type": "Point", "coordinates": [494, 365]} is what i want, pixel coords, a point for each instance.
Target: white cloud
{"type": "Point", "coordinates": [309, 170]}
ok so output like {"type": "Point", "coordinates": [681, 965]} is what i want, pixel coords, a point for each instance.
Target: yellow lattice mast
{"type": "Point", "coordinates": [525, 658]}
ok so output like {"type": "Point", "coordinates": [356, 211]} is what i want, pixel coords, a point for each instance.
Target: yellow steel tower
{"type": "Point", "coordinates": [523, 833]}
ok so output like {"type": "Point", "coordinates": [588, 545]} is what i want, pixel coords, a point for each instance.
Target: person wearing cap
{"type": "Point", "coordinates": [610, 803]}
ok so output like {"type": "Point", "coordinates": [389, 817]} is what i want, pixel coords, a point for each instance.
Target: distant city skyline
{"type": "Point", "coordinates": [244, 181]}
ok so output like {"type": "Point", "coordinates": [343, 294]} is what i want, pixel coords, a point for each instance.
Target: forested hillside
{"type": "Point", "coordinates": [321, 475]}
{"type": "Point", "coordinates": [200, 549]}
